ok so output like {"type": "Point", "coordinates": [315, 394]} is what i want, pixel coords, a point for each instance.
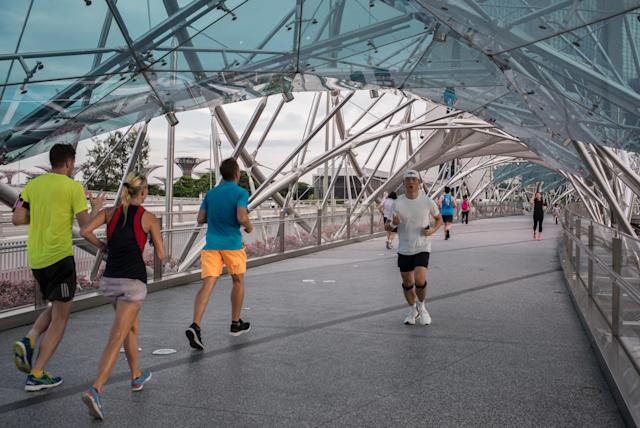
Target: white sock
{"type": "Point", "coordinates": [419, 304]}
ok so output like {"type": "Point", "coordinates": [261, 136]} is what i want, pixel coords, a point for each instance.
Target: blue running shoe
{"type": "Point", "coordinates": [22, 354]}
{"type": "Point", "coordinates": [45, 382]}
{"type": "Point", "coordinates": [138, 383]}
{"type": "Point", "coordinates": [92, 400]}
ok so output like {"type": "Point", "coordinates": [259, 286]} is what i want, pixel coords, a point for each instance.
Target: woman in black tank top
{"type": "Point", "coordinates": [124, 281]}
{"type": "Point", "coordinates": [538, 215]}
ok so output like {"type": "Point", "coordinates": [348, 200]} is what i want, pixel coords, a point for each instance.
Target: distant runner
{"type": "Point", "coordinates": [448, 207]}
{"type": "Point", "coordinates": [465, 209]}
{"type": "Point", "coordinates": [538, 215]}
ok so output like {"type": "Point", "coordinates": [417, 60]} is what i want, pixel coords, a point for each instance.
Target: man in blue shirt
{"type": "Point", "coordinates": [224, 209]}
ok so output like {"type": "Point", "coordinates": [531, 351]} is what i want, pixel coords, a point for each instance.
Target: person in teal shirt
{"type": "Point", "coordinates": [224, 210]}
{"type": "Point", "coordinates": [448, 207]}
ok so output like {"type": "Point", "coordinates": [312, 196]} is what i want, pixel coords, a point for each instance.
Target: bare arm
{"type": "Point", "coordinates": [242, 214]}
{"type": "Point", "coordinates": [202, 216]}
{"type": "Point", "coordinates": [434, 229]}
{"type": "Point", "coordinates": [92, 224]}
{"type": "Point", "coordinates": [20, 216]}
{"type": "Point", "coordinates": [153, 226]}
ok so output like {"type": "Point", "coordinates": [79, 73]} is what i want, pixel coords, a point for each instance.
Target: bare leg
{"type": "Point", "coordinates": [421, 279]}
{"type": "Point", "coordinates": [51, 339]}
{"type": "Point", "coordinates": [41, 325]}
{"type": "Point", "coordinates": [131, 350]}
{"type": "Point", "coordinates": [408, 280]}
{"type": "Point", "coordinates": [202, 298]}
{"type": "Point", "coordinates": [237, 296]}
{"type": "Point", "coordinates": [126, 313]}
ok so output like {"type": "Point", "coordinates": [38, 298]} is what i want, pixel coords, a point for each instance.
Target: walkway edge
{"type": "Point", "coordinates": [609, 353]}
{"type": "Point", "coordinates": [27, 315]}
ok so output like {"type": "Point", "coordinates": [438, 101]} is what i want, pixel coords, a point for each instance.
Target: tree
{"type": "Point", "coordinates": [188, 187]}
{"type": "Point", "coordinates": [305, 191]}
{"type": "Point", "coordinates": [107, 177]}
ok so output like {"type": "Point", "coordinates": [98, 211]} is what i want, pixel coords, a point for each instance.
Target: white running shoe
{"type": "Point", "coordinates": [410, 319]}
{"type": "Point", "coordinates": [423, 316]}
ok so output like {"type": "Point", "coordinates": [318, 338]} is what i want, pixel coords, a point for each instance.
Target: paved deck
{"type": "Point", "coordinates": [328, 347]}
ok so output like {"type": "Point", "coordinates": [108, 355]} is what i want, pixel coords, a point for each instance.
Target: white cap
{"type": "Point", "coordinates": [411, 173]}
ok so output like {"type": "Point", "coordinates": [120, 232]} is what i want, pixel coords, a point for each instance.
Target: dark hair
{"type": "Point", "coordinates": [229, 168]}
{"type": "Point", "coordinates": [447, 189]}
{"type": "Point", "coordinates": [465, 196]}
{"type": "Point", "coordinates": [393, 195]}
{"type": "Point", "coordinates": [60, 153]}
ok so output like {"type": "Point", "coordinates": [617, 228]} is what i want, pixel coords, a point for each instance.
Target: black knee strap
{"type": "Point", "coordinates": [407, 288]}
{"type": "Point", "coordinates": [420, 287]}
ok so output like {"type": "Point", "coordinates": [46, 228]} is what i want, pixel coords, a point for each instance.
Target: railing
{"type": "Point", "coordinates": [269, 237]}
{"type": "Point", "coordinates": [606, 263]}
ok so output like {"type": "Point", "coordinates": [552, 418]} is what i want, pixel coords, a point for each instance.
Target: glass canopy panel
{"type": "Point", "coordinates": [339, 35]}
{"type": "Point", "coordinates": [500, 25]}
{"type": "Point", "coordinates": [448, 61]}
{"type": "Point", "coordinates": [47, 27]}
{"type": "Point", "coordinates": [43, 109]}
{"type": "Point", "coordinates": [55, 68]}
{"type": "Point", "coordinates": [468, 98]}
{"type": "Point", "coordinates": [598, 78]}
{"type": "Point", "coordinates": [257, 40]}
{"type": "Point", "coordinates": [188, 28]}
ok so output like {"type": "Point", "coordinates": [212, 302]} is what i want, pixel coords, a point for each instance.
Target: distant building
{"type": "Point", "coordinates": [340, 189]}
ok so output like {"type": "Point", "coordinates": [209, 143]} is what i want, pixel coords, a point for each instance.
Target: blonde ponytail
{"type": "Point", "coordinates": [133, 185]}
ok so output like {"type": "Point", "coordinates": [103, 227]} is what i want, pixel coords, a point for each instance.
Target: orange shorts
{"type": "Point", "coordinates": [212, 261]}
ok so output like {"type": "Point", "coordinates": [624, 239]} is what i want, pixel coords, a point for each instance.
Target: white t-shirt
{"type": "Point", "coordinates": [387, 207]}
{"type": "Point", "coordinates": [415, 215]}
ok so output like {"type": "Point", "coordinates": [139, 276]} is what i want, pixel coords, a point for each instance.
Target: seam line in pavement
{"type": "Point", "coordinates": [77, 389]}
{"type": "Point", "coordinates": [251, 274]}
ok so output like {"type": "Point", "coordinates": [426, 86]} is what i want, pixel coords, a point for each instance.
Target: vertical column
{"type": "Point", "coordinates": [590, 261]}
{"type": "Point", "coordinates": [171, 154]}
{"type": "Point", "coordinates": [281, 231]}
{"type": "Point", "coordinates": [319, 227]}
{"type": "Point", "coordinates": [372, 211]}
{"type": "Point", "coordinates": [616, 310]}
{"type": "Point", "coordinates": [577, 249]}
{"type": "Point", "coordinates": [348, 222]}
{"type": "Point", "coordinates": [157, 262]}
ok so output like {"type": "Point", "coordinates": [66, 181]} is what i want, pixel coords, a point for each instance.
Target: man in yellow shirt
{"type": "Point", "coordinates": [48, 205]}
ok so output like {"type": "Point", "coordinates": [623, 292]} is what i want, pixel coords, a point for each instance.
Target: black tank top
{"type": "Point", "coordinates": [125, 245]}
{"type": "Point", "coordinates": [538, 207]}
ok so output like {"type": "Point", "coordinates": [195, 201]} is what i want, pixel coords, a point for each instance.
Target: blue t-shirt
{"type": "Point", "coordinates": [221, 203]}
{"type": "Point", "coordinates": [447, 205]}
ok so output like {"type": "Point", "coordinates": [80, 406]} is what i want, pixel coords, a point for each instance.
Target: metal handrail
{"type": "Point", "coordinates": [617, 232]}
{"type": "Point", "coordinates": [618, 280]}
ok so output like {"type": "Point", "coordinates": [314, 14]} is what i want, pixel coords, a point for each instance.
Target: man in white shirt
{"type": "Point", "coordinates": [387, 209]}
{"type": "Point", "coordinates": [413, 213]}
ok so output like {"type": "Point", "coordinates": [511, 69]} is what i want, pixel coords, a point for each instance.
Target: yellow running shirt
{"type": "Point", "coordinates": [54, 199]}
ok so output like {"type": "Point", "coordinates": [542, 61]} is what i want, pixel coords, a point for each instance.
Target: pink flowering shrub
{"type": "Point", "coordinates": [19, 293]}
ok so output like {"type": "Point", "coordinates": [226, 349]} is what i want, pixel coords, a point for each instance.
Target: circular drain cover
{"type": "Point", "coordinates": [166, 351]}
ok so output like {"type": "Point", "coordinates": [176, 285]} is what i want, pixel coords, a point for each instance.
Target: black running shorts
{"type": "Point", "coordinates": [410, 263]}
{"type": "Point", "coordinates": [58, 281]}
{"type": "Point", "coordinates": [395, 229]}
{"type": "Point", "coordinates": [447, 218]}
